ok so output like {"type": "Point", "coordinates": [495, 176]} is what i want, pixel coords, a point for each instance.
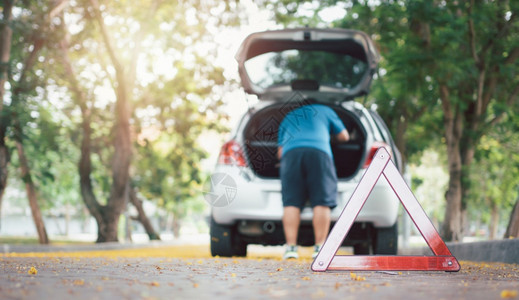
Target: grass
{"type": "Point", "coordinates": [169, 251]}
{"type": "Point", "coordinates": [183, 251]}
{"type": "Point", "coordinates": [18, 240]}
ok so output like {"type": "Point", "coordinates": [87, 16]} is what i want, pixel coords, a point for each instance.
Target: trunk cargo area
{"type": "Point", "coordinates": [261, 136]}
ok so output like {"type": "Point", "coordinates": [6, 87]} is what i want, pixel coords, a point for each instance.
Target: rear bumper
{"type": "Point", "coordinates": [260, 200]}
{"type": "Point", "coordinates": [271, 233]}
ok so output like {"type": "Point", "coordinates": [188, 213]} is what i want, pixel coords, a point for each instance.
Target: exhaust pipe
{"type": "Point", "coordinates": [269, 227]}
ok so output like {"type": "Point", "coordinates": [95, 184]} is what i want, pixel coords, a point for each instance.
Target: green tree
{"type": "Point", "coordinates": [22, 64]}
{"type": "Point", "coordinates": [459, 55]}
{"type": "Point", "coordinates": [117, 61]}
{"type": "Point", "coordinates": [475, 47]}
{"type": "Point", "coordinates": [135, 42]}
{"type": "Point", "coordinates": [6, 34]}
{"type": "Point", "coordinates": [494, 189]}
{"type": "Point", "coordinates": [168, 160]}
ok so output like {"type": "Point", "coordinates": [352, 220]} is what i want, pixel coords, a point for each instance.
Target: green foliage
{"type": "Point", "coordinates": [469, 47]}
{"type": "Point", "coordinates": [169, 48]}
{"type": "Point", "coordinates": [28, 102]}
{"type": "Point", "coordinates": [428, 183]}
{"type": "Point", "coordinates": [167, 165]}
{"type": "Point", "coordinates": [495, 174]}
{"type": "Point", "coordinates": [167, 52]}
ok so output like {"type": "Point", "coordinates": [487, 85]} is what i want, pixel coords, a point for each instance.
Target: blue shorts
{"type": "Point", "coordinates": [308, 174]}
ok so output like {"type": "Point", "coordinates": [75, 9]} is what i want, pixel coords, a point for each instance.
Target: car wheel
{"type": "Point", "coordinates": [386, 240]}
{"type": "Point", "coordinates": [224, 242]}
{"type": "Point", "coordinates": [240, 247]}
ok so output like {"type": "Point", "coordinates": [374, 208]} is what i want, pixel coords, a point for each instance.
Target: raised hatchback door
{"type": "Point", "coordinates": [317, 61]}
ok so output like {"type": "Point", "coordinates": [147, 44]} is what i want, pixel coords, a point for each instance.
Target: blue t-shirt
{"type": "Point", "coordinates": [309, 126]}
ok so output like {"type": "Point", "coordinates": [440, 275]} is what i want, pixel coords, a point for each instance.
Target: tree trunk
{"type": "Point", "coordinates": [169, 222]}
{"type": "Point", "coordinates": [31, 194]}
{"type": "Point", "coordinates": [452, 224]}
{"type": "Point", "coordinates": [176, 225]}
{"type": "Point", "coordinates": [67, 220]}
{"type": "Point", "coordinates": [85, 169]}
{"type": "Point", "coordinates": [107, 217]}
{"type": "Point", "coordinates": [176, 228]}
{"type": "Point", "coordinates": [122, 141]}
{"type": "Point", "coordinates": [127, 227]}
{"type": "Point", "coordinates": [6, 34]}
{"type": "Point", "coordinates": [4, 162]}
{"type": "Point", "coordinates": [107, 229]}
{"type": "Point", "coordinates": [18, 137]}
{"type": "Point", "coordinates": [512, 230]}
{"type": "Point", "coordinates": [142, 216]}
{"type": "Point", "coordinates": [400, 138]}
{"type": "Point", "coordinates": [6, 118]}
{"type": "Point", "coordinates": [494, 222]}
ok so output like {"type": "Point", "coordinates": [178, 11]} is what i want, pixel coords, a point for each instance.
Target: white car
{"type": "Point", "coordinates": [286, 69]}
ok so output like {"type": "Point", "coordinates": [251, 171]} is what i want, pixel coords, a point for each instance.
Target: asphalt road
{"type": "Point", "coordinates": [186, 273]}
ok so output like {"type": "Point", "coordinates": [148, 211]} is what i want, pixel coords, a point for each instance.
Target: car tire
{"type": "Point", "coordinates": [239, 247]}
{"type": "Point", "coordinates": [224, 242]}
{"type": "Point", "coordinates": [385, 240]}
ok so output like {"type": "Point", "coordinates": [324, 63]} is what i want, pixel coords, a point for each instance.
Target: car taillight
{"type": "Point", "coordinates": [373, 150]}
{"type": "Point", "coordinates": [231, 154]}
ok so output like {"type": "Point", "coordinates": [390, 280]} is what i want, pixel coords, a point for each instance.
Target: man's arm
{"type": "Point", "coordinates": [280, 152]}
{"type": "Point", "coordinates": [342, 136]}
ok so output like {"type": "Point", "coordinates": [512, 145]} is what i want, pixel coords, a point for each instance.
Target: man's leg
{"type": "Point", "coordinates": [321, 223]}
{"type": "Point", "coordinates": [291, 220]}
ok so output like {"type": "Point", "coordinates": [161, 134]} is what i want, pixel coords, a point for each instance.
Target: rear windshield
{"type": "Point", "coordinates": [326, 68]}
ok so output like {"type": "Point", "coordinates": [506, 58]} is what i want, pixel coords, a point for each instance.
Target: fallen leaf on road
{"type": "Point", "coordinates": [32, 271]}
{"type": "Point", "coordinates": [508, 294]}
{"type": "Point", "coordinates": [356, 277]}
{"type": "Point", "coordinates": [79, 282]}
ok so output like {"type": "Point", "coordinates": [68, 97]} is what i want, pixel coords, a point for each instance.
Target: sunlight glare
{"type": "Point", "coordinates": [331, 14]}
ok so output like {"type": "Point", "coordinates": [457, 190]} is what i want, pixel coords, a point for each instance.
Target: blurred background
{"type": "Point", "coordinates": [113, 112]}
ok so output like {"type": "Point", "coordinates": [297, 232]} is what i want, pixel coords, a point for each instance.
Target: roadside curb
{"type": "Point", "coordinates": [506, 251]}
{"type": "Point", "coordinates": [7, 248]}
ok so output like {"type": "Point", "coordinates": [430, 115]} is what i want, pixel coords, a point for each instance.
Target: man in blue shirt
{"type": "Point", "coordinates": [307, 170]}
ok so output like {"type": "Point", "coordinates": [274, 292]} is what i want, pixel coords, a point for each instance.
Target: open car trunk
{"type": "Point", "coordinates": [260, 136]}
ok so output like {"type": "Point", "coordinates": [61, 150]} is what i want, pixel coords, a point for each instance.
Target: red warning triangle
{"type": "Point", "coordinates": [443, 260]}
